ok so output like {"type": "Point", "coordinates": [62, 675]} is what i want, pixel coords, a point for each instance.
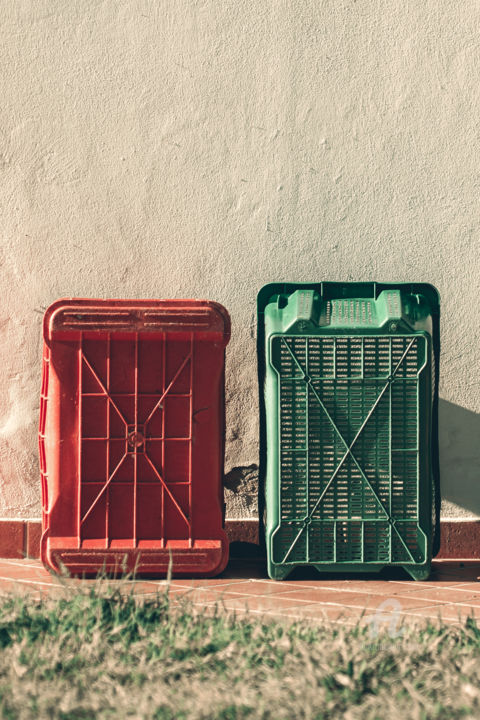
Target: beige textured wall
{"type": "Point", "coordinates": [202, 148]}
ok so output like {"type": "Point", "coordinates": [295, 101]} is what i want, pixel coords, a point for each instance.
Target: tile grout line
{"type": "Point", "coordinates": [319, 606]}
{"type": "Point", "coordinates": [208, 587]}
{"type": "Point", "coordinates": [362, 591]}
{"type": "Point", "coordinates": [301, 601]}
{"type": "Point", "coordinates": [246, 609]}
{"type": "Point", "coordinates": [35, 567]}
{"type": "Point", "coordinates": [21, 563]}
{"type": "Point", "coordinates": [307, 603]}
{"type": "Point", "coordinates": [29, 582]}
{"type": "Point", "coordinates": [379, 593]}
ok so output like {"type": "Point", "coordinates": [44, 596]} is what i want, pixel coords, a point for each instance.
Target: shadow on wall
{"type": "Point", "coordinates": [459, 440]}
{"type": "Point", "coordinates": [241, 492]}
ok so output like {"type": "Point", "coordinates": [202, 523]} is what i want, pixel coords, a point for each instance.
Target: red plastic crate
{"type": "Point", "coordinates": [132, 436]}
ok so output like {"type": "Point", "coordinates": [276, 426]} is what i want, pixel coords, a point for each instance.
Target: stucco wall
{"type": "Point", "coordinates": [201, 148]}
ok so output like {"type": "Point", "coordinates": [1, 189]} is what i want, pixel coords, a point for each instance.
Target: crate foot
{"type": "Point", "coordinates": [278, 572]}
{"type": "Point", "coordinates": [418, 573]}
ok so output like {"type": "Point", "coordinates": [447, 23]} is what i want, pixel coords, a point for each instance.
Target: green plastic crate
{"type": "Point", "coordinates": [349, 453]}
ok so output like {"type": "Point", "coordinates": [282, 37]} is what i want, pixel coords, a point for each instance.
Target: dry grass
{"type": "Point", "coordinates": [100, 653]}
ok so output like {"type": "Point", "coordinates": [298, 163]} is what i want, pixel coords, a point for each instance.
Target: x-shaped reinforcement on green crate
{"type": "Point", "coordinates": [348, 452]}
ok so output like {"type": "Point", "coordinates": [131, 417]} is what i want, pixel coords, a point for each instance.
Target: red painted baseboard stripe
{"type": "Point", "coordinates": [460, 539]}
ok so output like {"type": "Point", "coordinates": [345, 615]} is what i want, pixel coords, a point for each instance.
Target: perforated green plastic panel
{"type": "Point", "coordinates": [348, 401]}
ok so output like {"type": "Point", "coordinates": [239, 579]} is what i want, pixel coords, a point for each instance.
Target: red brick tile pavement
{"type": "Point", "coordinates": [452, 592]}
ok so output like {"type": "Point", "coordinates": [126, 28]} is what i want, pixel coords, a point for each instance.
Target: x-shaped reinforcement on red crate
{"type": "Point", "coordinates": [133, 435]}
